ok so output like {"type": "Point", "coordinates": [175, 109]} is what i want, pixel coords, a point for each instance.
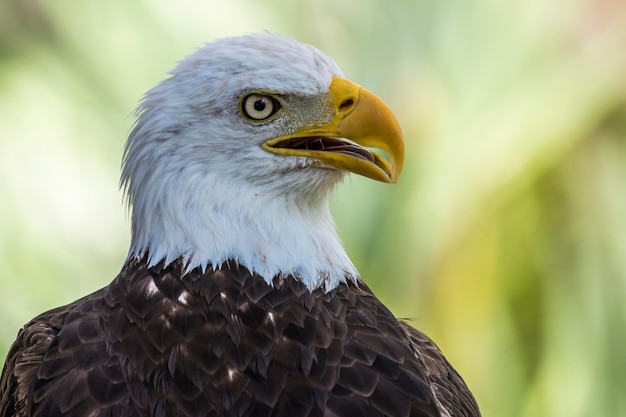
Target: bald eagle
{"type": "Point", "coordinates": [237, 298]}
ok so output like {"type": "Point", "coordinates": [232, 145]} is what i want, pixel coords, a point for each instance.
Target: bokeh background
{"type": "Point", "coordinates": [505, 239]}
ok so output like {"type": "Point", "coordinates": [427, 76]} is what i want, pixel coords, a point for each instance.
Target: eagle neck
{"type": "Point", "coordinates": [268, 232]}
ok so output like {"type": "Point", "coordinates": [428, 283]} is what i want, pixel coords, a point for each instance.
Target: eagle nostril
{"type": "Point", "coordinates": [346, 104]}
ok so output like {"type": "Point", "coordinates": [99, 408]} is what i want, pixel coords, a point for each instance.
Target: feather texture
{"type": "Point", "coordinates": [161, 342]}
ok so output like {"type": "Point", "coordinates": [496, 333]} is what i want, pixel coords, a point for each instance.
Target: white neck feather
{"type": "Point", "coordinates": [270, 234]}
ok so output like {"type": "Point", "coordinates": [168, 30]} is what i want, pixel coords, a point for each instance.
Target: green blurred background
{"type": "Point", "coordinates": [505, 239]}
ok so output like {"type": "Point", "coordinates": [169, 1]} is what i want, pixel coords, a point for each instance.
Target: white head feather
{"type": "Point", "coordinates": [201, 186]}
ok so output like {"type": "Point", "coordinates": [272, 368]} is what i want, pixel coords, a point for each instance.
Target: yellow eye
{"type": "Point", "coordinates": [257, 107]}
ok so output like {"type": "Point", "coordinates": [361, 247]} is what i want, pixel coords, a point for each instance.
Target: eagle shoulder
{"type": "Point", "coordinates": [21, 366]}
{"type": "Point", "coordinates": [380, 374]}
{"type": "Point", "coordinates": [448, 387]}
{"type": "Point", "coordinates": [58, 366]}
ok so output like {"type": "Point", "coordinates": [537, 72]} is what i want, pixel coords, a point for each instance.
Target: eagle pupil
{"type": "Point", "coordinates": [259, 105]}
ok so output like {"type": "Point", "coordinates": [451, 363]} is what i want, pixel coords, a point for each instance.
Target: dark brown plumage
{"type": "Point", "coordinates": [157, 342]}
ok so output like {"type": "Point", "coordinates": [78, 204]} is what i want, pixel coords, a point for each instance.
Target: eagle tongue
{"type": "Point", "coordinates": [326, 144]}
{"type": "Point", "coordinates": [349, 149]}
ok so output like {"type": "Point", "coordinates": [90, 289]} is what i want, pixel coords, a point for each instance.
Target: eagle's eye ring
{"type": "Point", "coordinates": [257, 107]}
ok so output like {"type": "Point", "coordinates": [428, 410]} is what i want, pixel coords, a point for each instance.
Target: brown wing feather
{"type": "Point", "coordinates": [21, 367]}
{"type": "Point", "coordinates": [449, 388]}
{"type": "Point", "coordinates": [59, 366]}
{"type": "Point", "coordinates": [157, 342]}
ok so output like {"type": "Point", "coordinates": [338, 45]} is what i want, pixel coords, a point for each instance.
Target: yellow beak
{"type": "Point", "coordinates": [361, 120]}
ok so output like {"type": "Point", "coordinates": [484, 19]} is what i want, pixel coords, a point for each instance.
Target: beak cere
{"type": "Point", "coordinates": [361, 121]}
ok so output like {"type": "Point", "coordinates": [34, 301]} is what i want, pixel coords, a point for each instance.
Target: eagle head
{"type": "Point", "coordinates": [234, 155]}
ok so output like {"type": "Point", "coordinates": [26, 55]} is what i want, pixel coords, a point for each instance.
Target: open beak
{"type": "Point", "coordinates": [361, 121]}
